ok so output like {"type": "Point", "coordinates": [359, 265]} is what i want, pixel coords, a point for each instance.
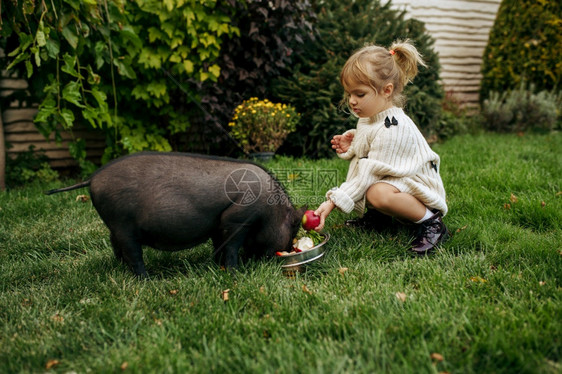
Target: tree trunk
{"type": "Point", "coordinates": [2, 156]}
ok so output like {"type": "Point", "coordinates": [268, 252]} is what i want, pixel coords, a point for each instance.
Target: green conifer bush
{"type": "Point", "coordinates": [524, 46]}
{"type": "Point", "coordinates": [313, 85]}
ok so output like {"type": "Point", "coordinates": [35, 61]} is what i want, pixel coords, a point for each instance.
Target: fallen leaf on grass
{"type": "Point", "coordinates": [82, 198]}
{"type": "Point", "coordinates": [305, 289]}
{"type": "Point", "coordinates": [57, 318]}
{"type": "Point", "coordinates": [400, 296]}
{"type": "Point", "coordinates": [507, 206]}
{"type": "Point", "coordinates": [224, 295]}
{"type": "Point", "coordinates": [124, 366]}
{"type": "Point", "coordinates": [173, 292]}
{"type": "Point", "coordinates": [51, 364]}
{"type": "Point", "coordinates": [543, 204]}
{"type": "Point", "coordinates": [542, 283]}
{"type": "Point", "coordinates": [343, 270]}
{"type": "Point", "coordinates": [478, 279]}
{"type": "Point", "coordinates": [437, 357]}
{"type": "Point", "coordinates": [513, 198]}
{"type": "Point", "coordinates": [462, 228]}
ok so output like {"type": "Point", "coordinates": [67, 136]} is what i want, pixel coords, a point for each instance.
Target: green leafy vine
{"type": "Point", "coordinates": [80, 57]}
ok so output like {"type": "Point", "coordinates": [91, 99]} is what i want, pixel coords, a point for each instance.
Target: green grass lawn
{"type": "Point", "coordinates": [488, 301]}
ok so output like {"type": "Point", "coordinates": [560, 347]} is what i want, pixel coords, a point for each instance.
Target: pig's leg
{"type": "Point", "coordinates": [218, 254]}
{"type": "Point", "coordinates": [226, 252]}
{"type": "Point", "coordinates": [235, 224]}
{"type": "Point", "coordinates": [129, 251]}
{"type": "Point", "coordinates": [228, 243]}
{"type": "Point", "coordinates": [117, 250]}
{"type": "Point", "coordinates": [231, 253]}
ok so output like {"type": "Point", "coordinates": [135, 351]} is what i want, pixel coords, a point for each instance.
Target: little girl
{"type": "Point", "coordinates": [393, 171]}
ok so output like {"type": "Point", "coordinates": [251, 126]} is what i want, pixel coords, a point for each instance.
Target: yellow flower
{"type": "Point", "coordinates": [263, 119]}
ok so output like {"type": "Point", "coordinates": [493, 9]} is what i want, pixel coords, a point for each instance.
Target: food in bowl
{"type": "Point", "coordinates": [294, 261]}
{"type": "Point", "coordinates": [304, 241]}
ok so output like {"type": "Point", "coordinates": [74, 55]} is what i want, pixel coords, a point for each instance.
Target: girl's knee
{"type": "Point", "coordinates": [379, 195]}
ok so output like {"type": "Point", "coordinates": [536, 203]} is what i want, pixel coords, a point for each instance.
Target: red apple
{"type": "Point", "coordinates": [310, 220]}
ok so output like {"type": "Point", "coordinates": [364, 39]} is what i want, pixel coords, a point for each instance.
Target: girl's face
{"type": "Point", "coordinates": [366, 102]}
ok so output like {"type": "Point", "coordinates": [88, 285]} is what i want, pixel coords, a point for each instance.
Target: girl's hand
{"type": "Point", "coordinates": [341, 143]}
{"type": "Point", "coordinates": [323, 210]}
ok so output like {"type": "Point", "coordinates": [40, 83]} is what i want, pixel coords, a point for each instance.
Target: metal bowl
{"type": "Point", "coordinates": [296, 261]}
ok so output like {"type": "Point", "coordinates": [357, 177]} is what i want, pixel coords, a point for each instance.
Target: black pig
{"type": "Point", "coordinates": [173, 201]}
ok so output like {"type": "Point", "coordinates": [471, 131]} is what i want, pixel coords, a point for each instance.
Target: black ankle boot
{"type": "Point", "coordinates": [430, 233]}
{"type": "Point", "coordinates": [372, 219]}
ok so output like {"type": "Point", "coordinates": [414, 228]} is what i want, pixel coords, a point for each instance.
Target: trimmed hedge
{"type": "Point", "coordinates": [524, 46]}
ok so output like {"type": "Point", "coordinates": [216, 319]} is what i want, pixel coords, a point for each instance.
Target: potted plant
{"type": "Point", "coordinates": [261, 126]}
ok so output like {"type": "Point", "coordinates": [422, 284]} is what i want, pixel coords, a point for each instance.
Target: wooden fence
{"type": "Point", "coordinates": [460, 29]}
{"type": "Point", "coordinates": [20, 132]}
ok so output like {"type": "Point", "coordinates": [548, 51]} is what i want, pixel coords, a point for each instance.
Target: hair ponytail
{"type": "Point", "coordinates": [407, 57]}
{"type": "Point", "coordinates": [377, 66]}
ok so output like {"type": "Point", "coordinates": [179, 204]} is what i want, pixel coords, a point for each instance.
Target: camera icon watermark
{"type": "Point", "coordinates": [306, 186]}
{"type": "Point", "coordinates": [243, 187]}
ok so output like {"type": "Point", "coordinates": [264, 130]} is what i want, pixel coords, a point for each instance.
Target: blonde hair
{"type": "Point", "coordinates": [376, 66]}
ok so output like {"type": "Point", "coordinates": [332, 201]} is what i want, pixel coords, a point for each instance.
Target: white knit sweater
{"type": "Point", "coordinates": [395, 154]}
